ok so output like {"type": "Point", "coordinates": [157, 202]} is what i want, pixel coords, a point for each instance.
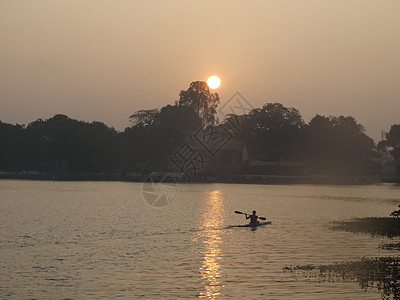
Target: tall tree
{"type": "Point", "coordinates": [176, 120]}
{"type": "Point", "coordinates": [393, 140]}
{"type": "Point", "coordinates": [63, 142]}
{"type": "Point", "coordinates": [338, 145]}
{"type": "Point", "coordinates": [204, 103]}
{"type": "Point", "coordinates": [145, 118]}
{"type": "Point", "coordinates": [11, 154]}
{"type": "Point", "coordinates": [273, 130]}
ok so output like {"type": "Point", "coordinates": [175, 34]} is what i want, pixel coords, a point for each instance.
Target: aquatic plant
{"type": "Point", "coordinates": [373, 274]}
{"type": "Point", "coordinates": [390, 246]}
{"type": "Point", "coordinates": [395, 213]}
{"type": "Point", "coordinates": [384, 226]}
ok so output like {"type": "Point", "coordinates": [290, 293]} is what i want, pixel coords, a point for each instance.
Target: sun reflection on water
{"type": "Point", "coordinates": [211, 223]}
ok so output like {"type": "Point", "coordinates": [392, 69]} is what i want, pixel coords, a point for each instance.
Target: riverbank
{"type": "Point", "coordinates": [179, 178]}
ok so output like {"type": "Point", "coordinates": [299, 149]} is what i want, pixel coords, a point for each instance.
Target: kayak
{"type": "Point", "coordinates": [255, 225]}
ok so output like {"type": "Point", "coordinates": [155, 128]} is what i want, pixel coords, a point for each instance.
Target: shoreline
{"type": "Point", "coordinates": [237, 179]}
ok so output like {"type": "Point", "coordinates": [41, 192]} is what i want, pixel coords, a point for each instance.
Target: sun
{"type": "Point", "coordinates": [213, 82]}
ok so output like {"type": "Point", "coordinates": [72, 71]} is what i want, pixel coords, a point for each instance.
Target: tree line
{"type": "Point", "coordinates": [273, 132]}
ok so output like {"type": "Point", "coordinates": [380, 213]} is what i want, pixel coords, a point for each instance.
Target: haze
{"type": "Point", "coordinates": [104, 60]}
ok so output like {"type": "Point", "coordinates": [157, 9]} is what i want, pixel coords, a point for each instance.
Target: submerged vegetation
{"type": "Point", "coordinates": [375, 274]}
{"type": "Point", "coordinates": [385, 226]}
{"type": "Point", "coordinates": [390, 246]}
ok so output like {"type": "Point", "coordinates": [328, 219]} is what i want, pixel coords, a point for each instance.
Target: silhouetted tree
{"type": "Point", "coordinates": [392, 144]}
{"type": "Point", "coordinates": [145, 118]}
{"type": "Point", "coordinates": [381, 147]}
{"type": "Point", "coordinates": [156, 133]}
{"type": "Point", "coordinates": [393, 136]}
{"type": "Point", "coordinates": [393, 141]}
{"type": "Point", "coordinates": [338, 145]}
{"type": "Point", "coordinates": [273, 130]}
{"type": "Point", "coordinates": [330, 145]}
{"type": "Point", "coordinates": [139, 145]}
{"type": "Point", "coordinates": [179, 120]}
{"type": "Point", "coordinates": [64, 144]}
{"type": "Point", "coordinates": [318, 146]}
{"type": "Point", "coordinates": [11, 145]}
{"type": "Point", "coordinates": [201, 100]}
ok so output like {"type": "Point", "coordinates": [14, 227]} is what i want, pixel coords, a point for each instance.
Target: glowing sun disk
{"type": "Point", "coordinates": [213, 82]}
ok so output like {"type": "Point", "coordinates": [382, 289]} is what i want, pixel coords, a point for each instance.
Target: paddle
{"type": "Point", "coordinates": [242, 213]}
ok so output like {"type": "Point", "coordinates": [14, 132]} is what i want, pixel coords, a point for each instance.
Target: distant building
{"type": "Point", "coordinates": [227, 161]}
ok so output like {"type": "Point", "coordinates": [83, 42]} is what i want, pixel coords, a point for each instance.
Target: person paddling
{"type": "Point", "coordinates": [253, 218]}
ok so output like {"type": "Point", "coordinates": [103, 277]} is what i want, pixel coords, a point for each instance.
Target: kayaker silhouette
{"type": "Point", "coordinates": [253, 218]}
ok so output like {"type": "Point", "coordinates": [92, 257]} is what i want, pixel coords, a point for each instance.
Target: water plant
{"type": "Point", "coordinates": [384, 226]}
{"type": "Point", "coordinates": [373, 274]}
{"type": "Point", "coordinates": [395, 213]}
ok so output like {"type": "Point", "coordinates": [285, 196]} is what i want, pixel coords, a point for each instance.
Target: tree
{"type": "Point", "coordinates": [178, 119]}
{"type": "Point", "coordinates": [62, 143]}
{"type": "Point", "coordinates": [201, 100]}
{"type": "Point", "coordinates": [273, 130]}
{"type": "Point", "coordinates": [11, 146]}
{"type": "Point", "coordinates": [381, 147]}
{"type": "Point", "coordinates": [338, 145]}
{"type": "Point", "coordinates": [145, 118]}
{"type": "Point", "coordinates": [275, 116]}
{"type": "Point", "coordinates": [393, 140]}
{"type": "Point", "coordinates": [318, 145]}
{"type": "Point", "coordinates": [395, 213]}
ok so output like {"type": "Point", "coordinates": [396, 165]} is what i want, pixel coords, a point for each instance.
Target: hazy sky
{"type": "Point", "coordinates": [104, 60]}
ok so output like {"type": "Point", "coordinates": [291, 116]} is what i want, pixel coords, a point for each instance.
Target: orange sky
{"type": "Point", "coordinates": [103, 60]}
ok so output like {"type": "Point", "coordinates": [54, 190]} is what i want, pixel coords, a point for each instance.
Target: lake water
{"type": "Point", "coordinates": [102, 240]}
